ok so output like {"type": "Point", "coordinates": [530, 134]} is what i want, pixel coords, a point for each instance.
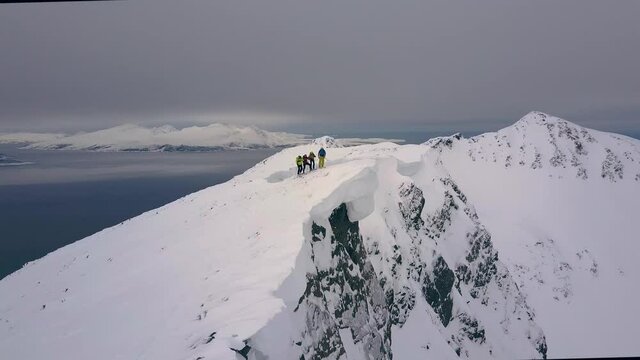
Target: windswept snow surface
{"type": "Point", "coordinates": [516, 244]}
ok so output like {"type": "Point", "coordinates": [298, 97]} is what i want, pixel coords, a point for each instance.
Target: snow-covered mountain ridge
{"type": "Point", "coordinates": [413, 251]}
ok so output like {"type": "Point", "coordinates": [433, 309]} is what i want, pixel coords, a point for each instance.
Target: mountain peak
{"type": "Point", "coordinates": [540, 119]}
{"type": "Point", "coordinates": [535, 117]}
{"type": "Point", "coordinates": [326, 141]}
{"type": "Point", "coordinates": [562, 148]}
{"type": "Point", "coordinates": [440, 141]}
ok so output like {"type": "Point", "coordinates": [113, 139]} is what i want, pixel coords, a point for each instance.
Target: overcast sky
{"type": "Point", "coordinates": [335, 65]}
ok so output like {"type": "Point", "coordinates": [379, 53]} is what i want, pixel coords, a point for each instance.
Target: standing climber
{"type": "Point", "coordinates": [321, 155]}
{"type": "Point", "coordinates": [299, 162]}
{"type": "Point", "coordinates": [312, 160]}
{"type": "Point", "coordinates": [305, 162]}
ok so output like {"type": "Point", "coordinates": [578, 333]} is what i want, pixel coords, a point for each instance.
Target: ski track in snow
{"type": "Point", "coordinates": [515, 244]}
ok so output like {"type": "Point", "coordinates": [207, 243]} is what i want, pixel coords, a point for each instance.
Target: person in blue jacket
{"type": "Point", "coordinates": [321, 155]}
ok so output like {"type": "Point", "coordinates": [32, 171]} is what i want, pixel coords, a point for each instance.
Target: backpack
{"type": "Point", "coordinates": [322, 152]}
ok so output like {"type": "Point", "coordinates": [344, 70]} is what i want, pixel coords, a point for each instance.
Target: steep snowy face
{"type": "Point", "coordinates": [560, 202]}
{"type": "Point", "coordinates": [410, 252]}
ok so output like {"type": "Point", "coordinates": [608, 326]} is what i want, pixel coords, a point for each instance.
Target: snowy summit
{"type": "Point", "coordinates": [326, 141]}
{"type": "Point", "coordinates": [516, 244]}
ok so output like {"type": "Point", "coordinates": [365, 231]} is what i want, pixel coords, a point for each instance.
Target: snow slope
{"type": "Point", "coordinates": [515, 244]}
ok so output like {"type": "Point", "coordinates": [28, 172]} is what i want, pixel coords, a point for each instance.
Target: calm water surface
{"type": "Point", "coordinates": [65, 196]}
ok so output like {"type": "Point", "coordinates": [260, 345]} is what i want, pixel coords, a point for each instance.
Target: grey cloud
{"type": "Point", "coordinates": [372, 64]}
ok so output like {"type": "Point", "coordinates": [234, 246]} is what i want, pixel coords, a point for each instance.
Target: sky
{"type": "Point", "coordinates": [311, 67]}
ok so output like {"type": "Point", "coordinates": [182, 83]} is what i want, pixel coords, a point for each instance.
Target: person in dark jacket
{"type": "Point", "coordinates": [305, 161]}
{"type": "Point", "coordinates": [312, 160]}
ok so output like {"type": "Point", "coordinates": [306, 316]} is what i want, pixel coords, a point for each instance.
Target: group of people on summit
{"type": "Point", "coordinates": [302, 161]}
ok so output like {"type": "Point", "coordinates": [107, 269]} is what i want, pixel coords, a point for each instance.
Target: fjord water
{"type": "Point", "coordinates": [65, 196]}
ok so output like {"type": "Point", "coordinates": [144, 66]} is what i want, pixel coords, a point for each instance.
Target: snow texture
{"type": "Point", "coordinates": [515, 244]}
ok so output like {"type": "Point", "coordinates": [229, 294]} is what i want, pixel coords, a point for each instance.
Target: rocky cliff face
{"type": "Point", "coordinates": [361, 290]}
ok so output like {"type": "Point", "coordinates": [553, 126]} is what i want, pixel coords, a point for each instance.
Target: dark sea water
{"type": "Point", "coordinates": [65, 196]}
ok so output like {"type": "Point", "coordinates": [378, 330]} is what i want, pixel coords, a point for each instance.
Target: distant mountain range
{"type": "Point", "coordinates": [131, 137]}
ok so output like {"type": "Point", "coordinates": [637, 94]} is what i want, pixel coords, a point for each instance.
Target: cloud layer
{"type": "Point", "coordinates": [325, 65]}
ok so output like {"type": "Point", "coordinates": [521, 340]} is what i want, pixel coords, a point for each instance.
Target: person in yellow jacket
{"type": "Point", "coordinates": [299, 162]}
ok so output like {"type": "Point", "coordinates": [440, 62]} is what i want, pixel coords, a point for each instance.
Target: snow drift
{"type": "Point", "coordinates": [515, 244]}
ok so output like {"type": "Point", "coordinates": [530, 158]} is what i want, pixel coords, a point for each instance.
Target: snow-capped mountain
{"type": "Point", "coordinates": [516, 244]}
{"type": "Point", "coordinates": [331, 142]}
{"type": "Point", "coordinates": [164, 138]}
{"type": "Point", "coordinates": [213, 137]}
{"type": "Point", "coordinates": [326, 141]}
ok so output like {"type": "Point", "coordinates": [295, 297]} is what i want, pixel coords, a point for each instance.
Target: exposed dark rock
{"type": "Point", "coordinates": [212, 336]}
{"type": "Point", "coordinates": [449, 182]}
{"type": "Point", "coordinates": [612, 167]}
{"type": "Point", "coordinates": [437, 290]}
{"type": "Point", "coordinates": [244, 352]}
{"type": "Point", "coordinates": [437, 223]}
{"type": "Point", "coordinates": [318, 233]}
{"type": "Point", "coordinates": [411, 207]}
{"type": "Point", "coordinates": [355, 294]}
{"type": "Point", "coordinates": [471, 329]}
